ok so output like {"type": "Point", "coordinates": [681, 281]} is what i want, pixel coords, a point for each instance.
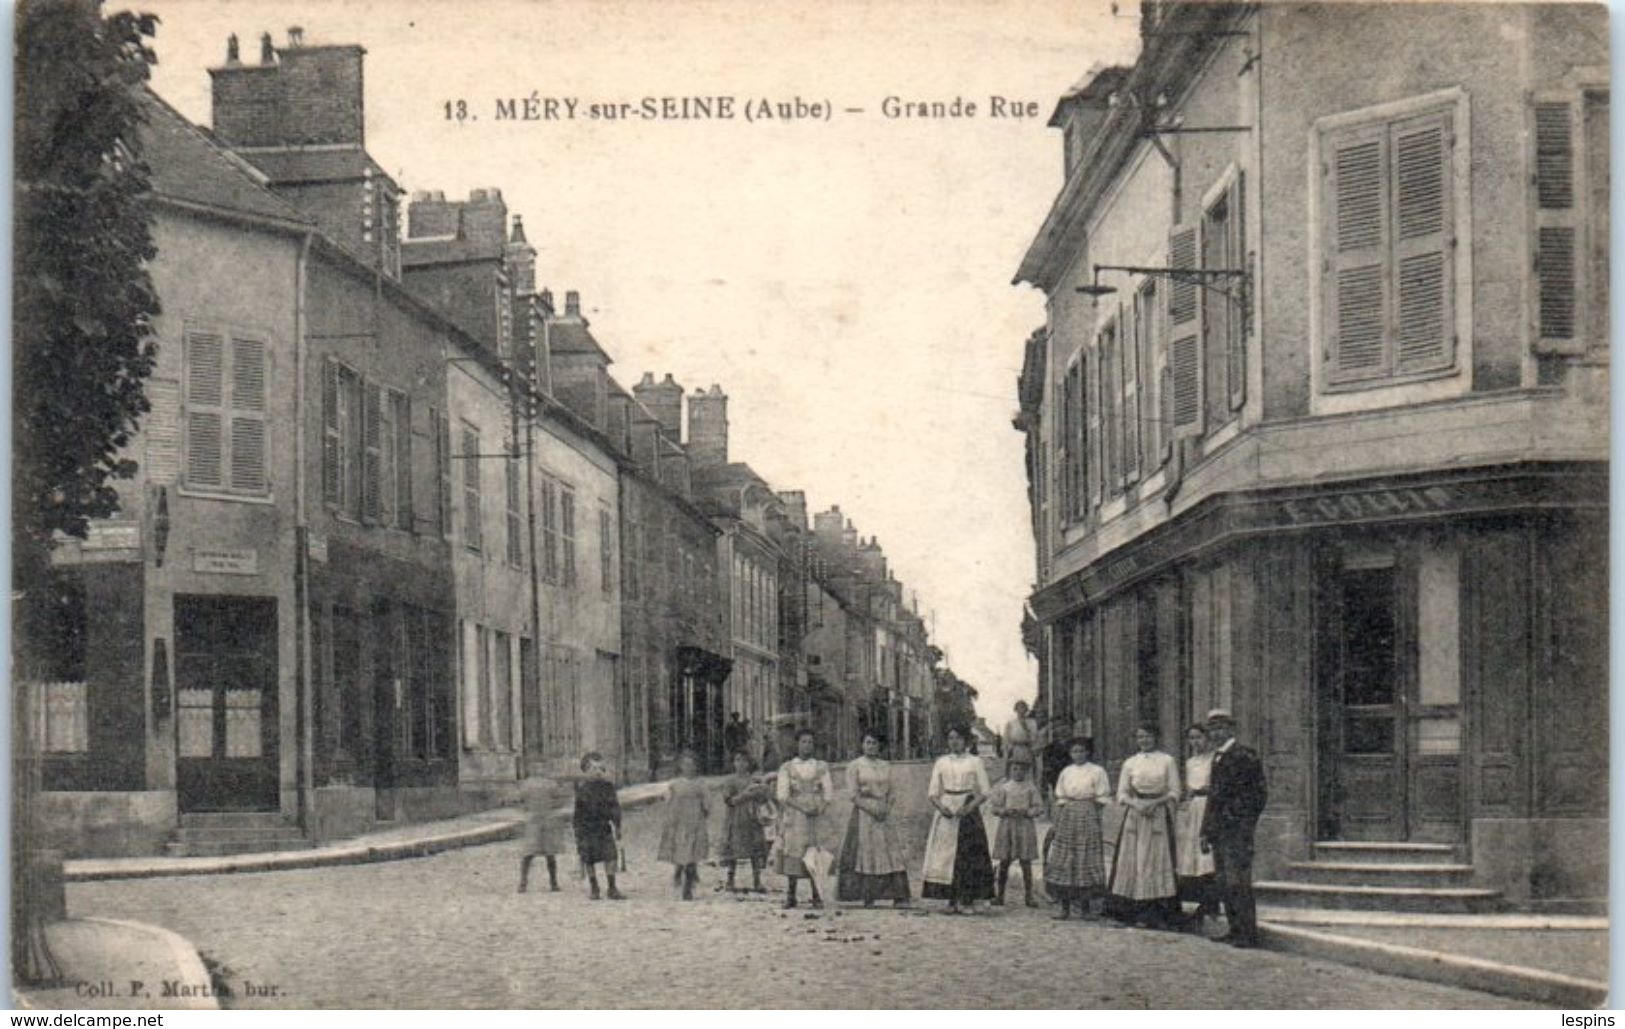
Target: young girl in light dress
{"type": "Point", "coordinates": [684, 842]}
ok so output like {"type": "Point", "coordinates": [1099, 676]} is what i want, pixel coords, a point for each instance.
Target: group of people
{"type": "Point", "coordinates": [1181, 836]}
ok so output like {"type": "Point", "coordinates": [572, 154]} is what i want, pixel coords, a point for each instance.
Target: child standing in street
{"type": "Point", "coordinates": [1016, 802]}
{"type": "Point", "coordinates": [597, 822]}
{"type": "Point", "coordinates": [742, 837]}
{"type": "Point", "coordinates": [684, 841]}
{"type": "Point", "coordinates": [547, 803]}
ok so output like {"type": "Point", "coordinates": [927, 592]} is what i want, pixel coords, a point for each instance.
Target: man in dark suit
{"type": "Point", "coordinates": [1236, 797]}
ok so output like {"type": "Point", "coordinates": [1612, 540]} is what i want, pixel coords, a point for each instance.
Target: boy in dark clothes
{"type": "Point", "coordinates": [597, 822]}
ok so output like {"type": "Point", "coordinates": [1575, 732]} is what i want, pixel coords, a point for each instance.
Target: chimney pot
{"type": "Point", "coordinates": [572, 305]}
{"type": "Point", "coordinates": [267, 51]}
{"type": "Point", "coordinates": [547, 299]}
{"type": "Point", "coordinates": [647, 380]}
{"type": "Point", "coordinates": [231, 49]}
{"type": "Point", "coordinates": [296, 37]}
{"type": "Point", "coordinates": [518, 230]}
{"type": "Point", "coordinates": [476, 196]}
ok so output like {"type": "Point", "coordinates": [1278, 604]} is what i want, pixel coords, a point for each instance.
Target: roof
{"type": "Point", "coordinates": [189, 167]}
{"type": "Point", "coordinates": [1099, 80]}
{"type": "Point", "coordinates": [571, 336]}
{"type": "Point", "coordinates": [417, 253]}
{"type": "Point", "coordinates": [305, 164]}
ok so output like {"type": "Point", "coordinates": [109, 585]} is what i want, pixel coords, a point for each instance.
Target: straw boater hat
{"type": "Point", "coordinates": [1221, 714]}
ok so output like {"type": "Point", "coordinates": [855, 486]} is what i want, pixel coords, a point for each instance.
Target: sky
{"type": "Point", "coordinates": [846, 282]}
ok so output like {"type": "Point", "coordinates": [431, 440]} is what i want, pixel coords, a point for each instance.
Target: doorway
{"type": "Point", "coordinates": [1389, 695]}
{"type": "Point", "coordinates": [226, 704]}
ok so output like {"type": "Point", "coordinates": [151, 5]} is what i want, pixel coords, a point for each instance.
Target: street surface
{"type": "Point", "coordinates": [451, 932]}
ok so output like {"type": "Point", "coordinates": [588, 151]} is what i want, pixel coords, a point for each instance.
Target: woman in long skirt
{"type": "Point", "coordinates": [1194, 868]}
{"type": "Point", "coordinates": [1142, 886]}
{"type": "Point", "coordinates": [872, 864]}
{"type": "Point", "coordinates": [958, 867]}
{"type": "Point", "coordinates": [1075, 865]}
{"type": "Point", "coordinates": [805, 790]}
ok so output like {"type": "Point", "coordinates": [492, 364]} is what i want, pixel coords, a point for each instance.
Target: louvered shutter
{"type": "Point", "coordinates": [1240, 292]}
{"type": "Point", "coordinates": [332, 440]}
{"type": "Point", "coordinates": [205, 409]}
{"type": "Point", "coordinates": [1424, 244]}
{"type": "Point", "coordinates": [1111, 385]}
{"type": "Point", "coordinates": [1133, 333]}
{"type": "Point", "coordinates": [1094, 402]}
{"type": "Point", "coordinates": [1063, 445]}
{"type": "Point", "coordinates": [1357, 248]}
{"type": "Point", "coordinates": [443, 434]}
{"type": "Point", "coordinates": [248, 424]}
{"type": "Point", "coordinates": [371, 460]}
{"type": "Point", "coordinates": [403, 462]}
{"type": "Point", "coordinates": [1184, 337]}
{"type": "Point", "coordinates": [1557, 222]}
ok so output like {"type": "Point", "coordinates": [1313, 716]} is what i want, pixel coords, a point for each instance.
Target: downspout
{"type": "Point", "coordinates": [303, 707]}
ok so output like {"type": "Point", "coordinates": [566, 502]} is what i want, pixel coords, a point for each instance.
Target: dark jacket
{"type": "Point", "coordinates": [597, 808]}
{"type": "Point", "coordinates": [1236, 795]}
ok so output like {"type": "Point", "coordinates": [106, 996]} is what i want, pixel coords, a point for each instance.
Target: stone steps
{"type": "Point", "coordinates": [1339, 897]}
{"type": "Point", "coordinates": [215, 834]}
{"type": "Point", "coordinates": [1424, 878]}
{"type": "Point", "coordinates": [1385, 853]}
{"type": "Point", "coordinates": [1370, 873]}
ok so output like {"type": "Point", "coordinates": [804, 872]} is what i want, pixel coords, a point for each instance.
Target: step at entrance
{"type": "Point", "coordinates": [235, 832]}
{"type": "Point", "coordinates": [1412, 877]}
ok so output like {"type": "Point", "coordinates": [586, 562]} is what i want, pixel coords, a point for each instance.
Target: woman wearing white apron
{"type": "Point", "coordinates": [958, 867]}
{"type": "Point", "coordinates": [1142, 888]}
{"type": "Point", "coordinates": [1193, 867]}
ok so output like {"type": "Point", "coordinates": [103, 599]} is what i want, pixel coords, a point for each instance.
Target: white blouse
{"type": "Point", "coordinates": [1087, 781]}
{"type": "Point", "coordinates": [1148, 775]}
{"type": "Point", "coordinates": [1199, 771]}
{"type": "Point", "coordinates": [964, 773]}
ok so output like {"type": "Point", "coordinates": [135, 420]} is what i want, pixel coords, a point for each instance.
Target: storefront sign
{"type": "Point", "coordinates": [113, 536]}
{"type": "Point", "coordinates": [226, 562]}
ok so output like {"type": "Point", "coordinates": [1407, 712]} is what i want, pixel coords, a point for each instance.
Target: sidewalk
{"type": "Point", "coordinates": [110, 964]}
{"type": "Point", "coordinates": [418, 839]}
{"type": "Point", "coordinates": [1560, 960]}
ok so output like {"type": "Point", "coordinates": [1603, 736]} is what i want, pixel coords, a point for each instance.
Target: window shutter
{"type": "Point", "coordinates": [248, 429]}
{"type": "Point", "coordinates": [444, 434]}
{"type": "Point", "coordinates": [1557, 222]}
{"type": "Point", "coordinates": [1133, 331]}
{"type": "Point", "coordinates": [1184, 338]}
{"type": "Point", "coordinates": [1424, 247]}
{"type": "Point", "coordinates": [205, 409]}
{"type": "Point", "coordinates": [1356, 261]}
{"type": "Point", "coordinates": [1095, 422]}
{"type": "Point", "coordinates": [331, 442]}
{"type": "Point", "coordinates": [403, 462]}
{"type": "Point", "coordinates": [1241, 291]}
{"type": "Point", "coordinates": [371, 462]}
{"type": "Point", "coordinates": [472, 514]}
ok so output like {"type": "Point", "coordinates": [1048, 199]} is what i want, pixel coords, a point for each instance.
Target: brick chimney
{"type": "Point", "coordinates": [297, 96]}
{"type": "Point", "coordinates": [572, 308]}
{"type": "Point", "coordinates": [708, 427]}
{"type": "Point", "coordinates": [430, 214]}
{"type": "Point", "coordinates": [794, 501]}
{"type": "Point", "coordinates": [485, 218]}
{"type": "Point", "coordinates": [829, 524]}
{"type": "Point", "coordinates": [663, 399]}
{"type": "Point", "coordinates": [872, 559]}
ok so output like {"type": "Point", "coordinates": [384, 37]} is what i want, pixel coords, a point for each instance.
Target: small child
{"type": "Point", "coordinates": [547, 803]}
{"type": "Point", "coordinates": [742, 836]}
{"type": "Point", "coordinates": [1016, 802]}
{"type": "Point", "coordinates": [684, 841]}
{"type": "Point", "coordinates": [597, 822]}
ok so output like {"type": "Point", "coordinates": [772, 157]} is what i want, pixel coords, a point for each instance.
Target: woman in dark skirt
{"type": "Point", "coordinates": [958, 867]}
{"type": "Point", "coordinates": [872, 864]}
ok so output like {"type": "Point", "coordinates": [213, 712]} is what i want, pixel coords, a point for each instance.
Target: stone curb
{"type": "Point", "coordinates": [1549, 988]}
{"type": "Point", "coordinates": [104, 869]}
{"type": "Point", "coordinates": [189, 967]}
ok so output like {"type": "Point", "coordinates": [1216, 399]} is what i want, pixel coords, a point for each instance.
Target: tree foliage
{"type": "Point", "coordinates": [84, 303]}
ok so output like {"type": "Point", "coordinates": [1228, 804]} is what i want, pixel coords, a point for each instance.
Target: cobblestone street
{"type": "Point", "coordinates": [450, 931]}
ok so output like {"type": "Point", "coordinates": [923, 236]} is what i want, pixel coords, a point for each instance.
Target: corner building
{"type": "Point", "coordinates": [1317, 423]}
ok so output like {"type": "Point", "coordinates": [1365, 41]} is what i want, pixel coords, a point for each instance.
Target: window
{"type": "Point", "coordinates": [1224, 344]}
{"type": "Point", "coordinates": [606, 549]}
{"type": "Point", "coordinates": [442, 459]}
{"type": "Point", "coordinates": [1571, 220]}
{"type": "Point", "coordinates": [388, 472]}
{"type": "Point", "coordinates": [226, 432]}
{"type": "Point", "coordinates": [633, 535]}
{"type": "Point", "coordinates": [342, 424]}
{"type": "Point", "coordinates": [471, 487]}
{"type": "Point", "coordinates": [550, 530]}
{"type": "Point", "coordinates": [1111, 387]}
{"type": "Point", "coordinates": [1148, 324]}
{"type": "Point", "coordinates": [567, 533]}
{"type": "Point", "coordinates": [561, 720]}
{"type": "Point", "coordinates": [1073, 444]}
{"type": "Point", "coordinates": [1388, 238]}
{"type": "Point", "coordinates": [501, 690]}
{"type": "Point", "coordinates": [1185, 367]}
{"type": "Point", "coordinates": [516, 554]}
{"type": "Point", "coordinates": [372, 463]}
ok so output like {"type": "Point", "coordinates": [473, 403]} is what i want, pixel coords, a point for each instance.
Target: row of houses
{"type": "Point", "coordinates": [1317, 430]}
{"type": "Point", "coordinates": [399, 539]}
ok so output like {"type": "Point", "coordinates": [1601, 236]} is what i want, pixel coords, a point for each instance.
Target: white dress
{"type": "Point", "coordinates": [1190, 862]}
{"type": "Point", "coordinates": [1143, 866]}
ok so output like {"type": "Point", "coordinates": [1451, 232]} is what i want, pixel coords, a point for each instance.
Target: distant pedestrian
{"type": "Point", "coordinates": [1015, 802]}
{"type": "Point", "coordinates": [1236, 798]}
{"type": "Point", "coordinates": [1057, 755]}
{"type": "Point", "coordinates": [597, 823]}
{"type": "Point", "coordinates": [872, 864]}
{"type": "Point", "coordinates": [1193, 865]}
{"type": "Point", "coordinates": [958, 868]}
{"type": "Point", "coordinates": [735, 735]}
{"type": "Point", "coordinates": [770, 752]}
{"type": "Point", "coordinates": [1020, 735]}
{"type": "Point", "coordinates": [1142, 888]}
{"type": "Point", "coordinates": [804, 793]}
{"type": "Point", "coordinates": [684, 842]}
{"type": "Point", "coordinates": [742, 836]}
{"type": "Point", "coordinates": [547, 807]}
{"type": "Point", "coordinates": [1075, 865]}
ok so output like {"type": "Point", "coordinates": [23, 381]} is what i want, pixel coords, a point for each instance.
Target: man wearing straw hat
{"type": "Point", "coordinates": [1236, 797]}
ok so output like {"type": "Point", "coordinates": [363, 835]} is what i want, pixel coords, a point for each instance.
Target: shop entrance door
{"type": "Point", "coordinates": [226, 704]}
